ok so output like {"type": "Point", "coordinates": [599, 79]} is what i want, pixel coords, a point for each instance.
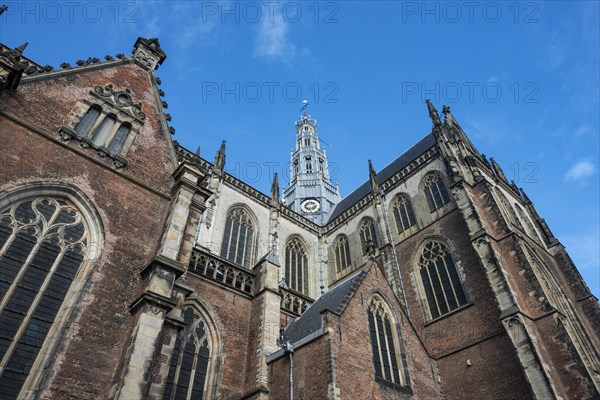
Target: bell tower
{"type": "Point", "coordinates": [310, 192]}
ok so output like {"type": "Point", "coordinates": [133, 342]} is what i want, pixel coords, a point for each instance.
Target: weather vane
{"type": "Point", "coordinates": [304, 105]}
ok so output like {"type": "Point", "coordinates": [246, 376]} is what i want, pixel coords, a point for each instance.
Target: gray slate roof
{"type": "Point", "coordinates": [334, 300]}
{"type": "Point", "coordinates": [271, 257]}
{"type": "Point", "coordinates": [363, 190]}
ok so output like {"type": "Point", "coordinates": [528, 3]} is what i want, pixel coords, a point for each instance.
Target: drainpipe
{"type": "Point", "coordinates": [289, 349]}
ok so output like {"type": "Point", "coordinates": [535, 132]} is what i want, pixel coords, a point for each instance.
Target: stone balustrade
{"type": "Point", "coordinates": [218, 270]}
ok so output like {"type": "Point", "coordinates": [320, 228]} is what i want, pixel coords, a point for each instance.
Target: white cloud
{"type": "Point", "coordinates": [584, 129]}
{"type": "Point", "coordinates": [272, 39]}
{"type": "Point", "coordinates": [580, 172]}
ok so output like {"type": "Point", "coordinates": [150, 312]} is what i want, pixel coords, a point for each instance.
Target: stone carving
{"type": "Point", "coordinates": [121, 99]}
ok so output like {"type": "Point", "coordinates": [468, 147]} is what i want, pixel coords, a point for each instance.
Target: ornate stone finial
{"type": "Point", "coordinates": [219, 165]}
{"type": "Point", "coordinates": [497, 169]}
{"type": "Point", "coordinates": [275, 191]}
{"type": "Point", "coordinates": [373, 179]}
{"type": "Point", "coordinates": [148, 53]}
{"type": "Point", "coordinates": [21, 48]}
{"type": "Point", "coordinates": [433, 114]}
{"type": "Point", "coordinates": [198, 151]}
{"type": "Point", "coordinates": [446, 111]}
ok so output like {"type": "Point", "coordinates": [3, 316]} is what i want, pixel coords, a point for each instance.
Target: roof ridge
{"type": "Point", "coordinates": [383, 175]}
{"type": "Point", "coordinates": [357, 280]}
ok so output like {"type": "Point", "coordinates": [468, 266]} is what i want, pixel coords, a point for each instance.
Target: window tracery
{"type": "Point", "coordinates": [387, 364]}
{"type": "Point", "coordinates": [238, 238]}
{"type": "Point", "coordinates": [368, 234]}
{"type": "Point", "coordinates": [43, 243]}
{"type": "Point", "coordinates": [189, 366]}
{"type": "Point", "coordinates": [296, 265]}
{"type": "Point", "coordinates": [404, 215]}
{"type": "Point", "coordinates": [435, 191]}
{"type": "Point", "coordinates": [440, 280]}
{"type": "Point", "coordinates": [342, 253]}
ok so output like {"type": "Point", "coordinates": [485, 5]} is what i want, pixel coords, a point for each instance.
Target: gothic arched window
{"type": "Point", "coordinates": [441, 283]}
{"type": "Point", "coordinates": [403, 213]}
{"type": "Point", "coordinates": [189, 363]}
{"type": "Point", "coordinates": [435, 191]}
{"type": "Point", "coordinates": [43, 243]}
{"type": "Point", "coordinates": [239, 237]}
{"type": "Point", "coordinates": [385, 344]}
{"type": "Point", "coordinates": [342, 253]}
{"type": "Point", "coordinates": [368, 234]}
{"type": "Point", "coordinates": [296, 265]}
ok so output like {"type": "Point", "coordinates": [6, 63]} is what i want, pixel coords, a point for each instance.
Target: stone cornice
{"type": "Point", "coordinates": [75, 70]}
{"type": "Point", "coordinates": [165, 263]}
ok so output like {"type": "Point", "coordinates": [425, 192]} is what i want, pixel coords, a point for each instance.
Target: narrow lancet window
{"type": "Point", "coordinates": [239, 237]}
{"type": "Point", "coordinates": [403, 213]}
{"type": "Point", "coordinates": [368, 235]}
{"type": "Point", "coordinates": [388, 366]}
{"type": "Point", "coordinates": [342, 253]}
{"type": "Point", "coordinates": [296, 265]}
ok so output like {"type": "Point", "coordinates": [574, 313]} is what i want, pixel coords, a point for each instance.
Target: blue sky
{"type": "Point", "coordinates": [522, 78]}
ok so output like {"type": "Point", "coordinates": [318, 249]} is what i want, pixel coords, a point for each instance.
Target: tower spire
{"type": "Point", "coordinates": [310, 191]}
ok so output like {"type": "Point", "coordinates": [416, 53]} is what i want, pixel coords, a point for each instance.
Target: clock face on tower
{"type": "Point", "coordinates": [310, 206]}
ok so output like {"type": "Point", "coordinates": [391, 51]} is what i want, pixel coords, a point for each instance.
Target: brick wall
{"type": "Point", "coordinates": [130, 214]}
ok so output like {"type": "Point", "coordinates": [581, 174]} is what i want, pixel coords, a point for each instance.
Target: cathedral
{"type": "Point", "coordinates": [134, 268]}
